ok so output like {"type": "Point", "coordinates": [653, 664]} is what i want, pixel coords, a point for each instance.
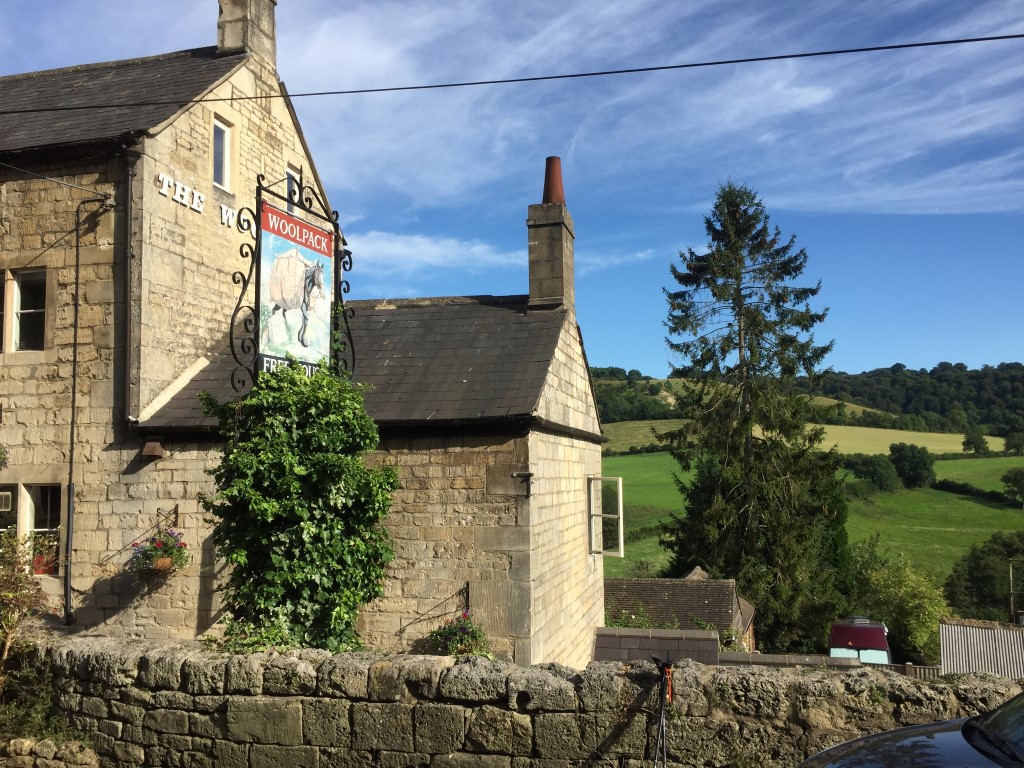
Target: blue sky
{"type": "Point", "coordinates": [902, 172]}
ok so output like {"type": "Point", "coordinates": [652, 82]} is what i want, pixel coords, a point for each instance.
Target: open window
{"type": "Point", "coordinates": [604, 513]}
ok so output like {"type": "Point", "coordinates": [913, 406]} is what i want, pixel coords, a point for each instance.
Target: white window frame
{"type": "Point", "coordinates": [595, 516]}
{"type": "Point", "coordinates": [225, 154]}
{"type": "Point", "coordinates": [20, 276]}
{"type": "Point", "coordinates": [25, 520]}
{"type": "Point", "coordinates": [11, 282]}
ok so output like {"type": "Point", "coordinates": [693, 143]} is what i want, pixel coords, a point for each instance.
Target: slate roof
{"type": "Point", "coordinates": [178, 78]}
{"type": "Point", "coordinates": [450, 360]}
{"type": "Point", "coordinates": [674, 602]}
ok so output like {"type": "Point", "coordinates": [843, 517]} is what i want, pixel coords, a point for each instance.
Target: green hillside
{"type": "Point", "coordinates": [931, 528]}
{"type": "Point", "coordinates": [626, 434]}
{"type": "Point", "coordinates": [981, 473]}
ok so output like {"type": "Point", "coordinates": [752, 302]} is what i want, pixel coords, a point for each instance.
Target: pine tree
{"type": "Point", "coordinates": [764, 503]}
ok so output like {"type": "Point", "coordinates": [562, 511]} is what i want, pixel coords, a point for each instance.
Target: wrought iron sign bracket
{"type": "Point", "coordinates": [305, 220]}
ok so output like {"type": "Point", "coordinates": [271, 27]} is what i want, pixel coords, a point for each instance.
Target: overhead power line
{"type": "Point", "coordinates": [536, 79]}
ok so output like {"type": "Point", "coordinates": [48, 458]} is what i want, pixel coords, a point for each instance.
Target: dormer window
{"type": "Point", "coordinates": [222, 155]}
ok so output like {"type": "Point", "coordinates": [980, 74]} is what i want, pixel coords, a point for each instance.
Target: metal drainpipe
{"type": "Point", "coordinates": [130, 160]}
{"type": "Point", "coordinates": [105, 205]}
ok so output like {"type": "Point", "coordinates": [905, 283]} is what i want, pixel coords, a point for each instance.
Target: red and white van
{"type": "Point", "coordinates": [857, 637]}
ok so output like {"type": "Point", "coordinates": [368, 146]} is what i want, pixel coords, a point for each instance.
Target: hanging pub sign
{"type": "Point", "coordinates": [296, 263]}
{"type": "Point", "coordinates": [296, 290]}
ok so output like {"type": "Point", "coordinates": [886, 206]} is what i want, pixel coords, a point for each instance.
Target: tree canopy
{"type": "Point", "coordinates": [1013, 483]}
{"type": "Point", "coordinates": [978, 587]}
{"type": "Point", "coordinates": [765, 505]}
{"type": "Point", "coordinates": [890, 589]}
{"type": "Point", "coordinates": [948, 398]}
{"type": "Point", "coordinates": [974, 441]}
{"type": "Point", "coordinates": [914, 465]}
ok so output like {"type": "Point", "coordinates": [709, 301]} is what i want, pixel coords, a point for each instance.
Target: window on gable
{"type": "Point", "coordinates": [29, 310]}
{"type": "Point", "coordinates": [221, 155]}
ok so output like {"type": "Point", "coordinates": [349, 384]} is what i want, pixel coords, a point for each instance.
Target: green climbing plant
{"type": "Point", "coordinates": [298, 513]}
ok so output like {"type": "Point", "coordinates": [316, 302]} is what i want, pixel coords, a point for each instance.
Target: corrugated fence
{"type": "Point", "coordinates": [982, 646]}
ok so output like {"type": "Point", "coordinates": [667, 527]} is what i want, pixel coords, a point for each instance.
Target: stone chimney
{"type": "Point", "coordinates": [551, 237]}
{"type": "Point", "coordinates": [247, 25]}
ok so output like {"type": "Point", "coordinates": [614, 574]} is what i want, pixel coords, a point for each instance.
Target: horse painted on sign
{"type": "Point", "coordinates": [292, 282]}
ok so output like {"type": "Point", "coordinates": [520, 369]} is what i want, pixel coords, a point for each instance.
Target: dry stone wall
{"type": "Point", "coordinates": [180, 705]}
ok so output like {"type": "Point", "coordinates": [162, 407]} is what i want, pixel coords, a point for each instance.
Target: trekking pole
{"type": "Point", "coordinates": [665, 692]}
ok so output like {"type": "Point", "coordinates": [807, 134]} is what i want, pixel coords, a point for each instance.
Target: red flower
{"type": "Point", "coordinates": [158, 544]}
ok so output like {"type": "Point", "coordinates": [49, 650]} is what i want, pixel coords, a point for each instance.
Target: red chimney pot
{"type": "Point", "coordinates": [553, 192]}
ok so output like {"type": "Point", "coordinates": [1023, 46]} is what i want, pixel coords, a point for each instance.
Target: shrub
{"type": "Point", "coordinates": [461, 636]}
{"type": "Point", "coordinates": [28, 702]}
{"type": "Point", "coordinates": [878, 470]}
{"type": "Point", "coordinates": [21, 598]}
{"type": "Point", "coordinates": [889, 588]}
{"type": "Point", "coordinates": [298, 514]}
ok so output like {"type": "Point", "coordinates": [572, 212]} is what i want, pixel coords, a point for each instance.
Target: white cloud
{"type": "Point", "coordinates": [388, 254]}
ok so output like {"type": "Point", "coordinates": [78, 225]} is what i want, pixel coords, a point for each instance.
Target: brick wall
{"type": "Point", "coordinates": [620, 644]}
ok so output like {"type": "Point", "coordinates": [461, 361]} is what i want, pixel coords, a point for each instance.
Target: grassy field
{"type": "Point", "coordinates": [931, 528]}
{"type": "Point", "coordinates": [623, 435]}
{"type": "Point", "coordinates": [872, 440]}
{"type": "Point", "coordinates": [649, 496]}
{"type": "Point", "coordinates": [981, 473]}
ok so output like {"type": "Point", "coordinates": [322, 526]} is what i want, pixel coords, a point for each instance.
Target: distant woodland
{"type": "Point", "coordinates": [948, 398]}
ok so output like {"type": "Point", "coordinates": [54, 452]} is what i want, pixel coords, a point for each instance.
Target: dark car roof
{"type": "Point", "coordinates": [938, 745]}
{"type": "Point", "coordinates": [173, 79]}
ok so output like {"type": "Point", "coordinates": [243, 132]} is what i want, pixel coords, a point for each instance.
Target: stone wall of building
{"type": "Point", "coordinates": [568, 593]}
{"type": "Point", "coordinates": [38, 232]}
{"type": "Point", "coordinates": [568, 398]}
{"type": "Point", "coordinates": [459, 539]}
{"type": "Point", "coordinates": [185, 256]}
{"type": "Point", "coordinates": [178, 272]}
{"type": "Point", "coordinates": [181, 705]}
{"type": "Point", "coordinates": [568, 581]}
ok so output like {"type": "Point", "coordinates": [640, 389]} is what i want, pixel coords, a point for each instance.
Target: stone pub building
{"type": "Point", "coordinates": [484, 403]}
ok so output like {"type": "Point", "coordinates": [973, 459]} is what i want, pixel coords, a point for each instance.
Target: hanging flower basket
{"type": "Point", "coordinates": [162, 553]}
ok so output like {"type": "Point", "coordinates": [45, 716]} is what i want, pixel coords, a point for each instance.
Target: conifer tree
{"type": "Point", "coordinates": [764, 504]}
